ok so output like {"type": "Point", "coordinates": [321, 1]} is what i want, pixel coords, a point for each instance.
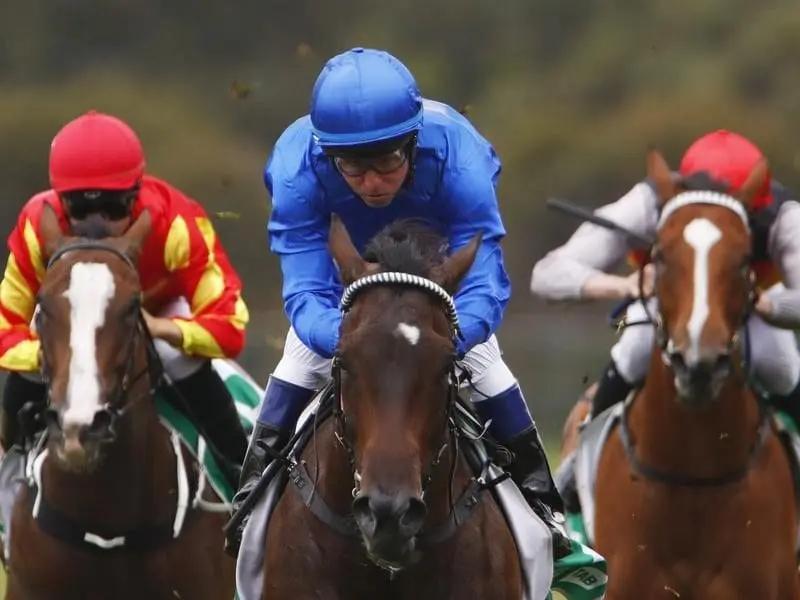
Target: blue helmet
{"type": "Point", "coordinates": [362, 97]}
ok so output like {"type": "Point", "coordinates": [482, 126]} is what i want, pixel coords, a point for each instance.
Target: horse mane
{"type": "Point", "coordinates": [408, 246]}
{"type": "Point", "coordinates": [702, 181]}
{"type": "Point", "coordinates": [92, 229]}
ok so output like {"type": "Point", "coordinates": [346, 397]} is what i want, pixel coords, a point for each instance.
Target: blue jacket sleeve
{"type": "Point", "coordinates": [298, 230]}
{"type": "Point", "coordinates": [470, 188]}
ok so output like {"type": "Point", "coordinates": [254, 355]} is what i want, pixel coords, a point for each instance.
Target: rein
{"type": "Point", "coordinates": [469, 498]}
{"type": "Point", "coordinates": [117, 407]}
{"type": "Point", "coordinates": [664, 343]}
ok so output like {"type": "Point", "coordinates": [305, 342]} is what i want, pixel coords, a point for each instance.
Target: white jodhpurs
{"type": "Point", "coordinates": [177, 364]}
{"type": "Point", "coordinates": [773, 355]}
{"type": "Point", "coordinates": [491, 376]}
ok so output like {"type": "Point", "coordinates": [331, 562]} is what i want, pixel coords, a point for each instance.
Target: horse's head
{"type": "Point", "coordinates": [704, 282]}
{"type": "Point", "coordinates": [90, 326]}
{"type": "Point", "coordinates": [395, 362]}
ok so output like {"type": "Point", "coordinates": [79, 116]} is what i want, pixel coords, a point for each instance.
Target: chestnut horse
{"type": "Point", "coordinates": [694, 495]}
{"type": "Point", "coordinates": [396, 513]}
{"type": "Point", "coordinates": [104, 520]}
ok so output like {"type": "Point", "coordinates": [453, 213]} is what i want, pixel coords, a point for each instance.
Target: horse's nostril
{"type": "Point", "coordinates": [413, 518]}
{"type": "Point", "coordinates": [102, 425]}
{"type": "Point", "coordinates": [400, 512]}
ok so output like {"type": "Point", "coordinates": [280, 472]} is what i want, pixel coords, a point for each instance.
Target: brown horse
{"type": "Point", "coordinates": [694, 495]}
{"type": "Point", "coordinates": [102, 521]}
{"type": "Point", "coordinates": [396, 513]}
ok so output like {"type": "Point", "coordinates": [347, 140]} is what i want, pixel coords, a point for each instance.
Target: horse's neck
{"type": "Point", "coordinates": [693, 441]}
{"type": "Point", "coordinates": [131, 482]}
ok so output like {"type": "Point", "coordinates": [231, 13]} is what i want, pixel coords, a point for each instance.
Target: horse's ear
{"type": "Point", "coordinates": [756, 181]}
{"type": "Point", "coordinates": [50, 230]}
{"type": "Point", "coordinates": [450, 273]}
{"type": "Point", "coordinates": [351, 265]}
{"type": "Point", "coordinates": [660, 175]}
{"type": "Point", "coordinates": [136, 235]}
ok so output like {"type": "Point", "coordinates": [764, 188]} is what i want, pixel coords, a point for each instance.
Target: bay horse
{"type": "Point", "coordinates": [694, 496]}
{"type": "Point", "coordinates": [107, 517]}
{"type": "Point", "coordinates": [396, 513]}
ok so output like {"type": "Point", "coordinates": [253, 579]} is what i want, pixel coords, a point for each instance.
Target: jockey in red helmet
{"type": "Point", "coordinates": [192, 295]}
{"type": "Point", "coordinates": [582, 267]}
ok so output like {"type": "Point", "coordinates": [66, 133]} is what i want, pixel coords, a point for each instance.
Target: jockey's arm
{"type": "Point", "coordinates": [469, 190]}
{"type": "Point", "coordinates": [578, 270]}
{"type": "Point", "coordinates": [210, 284]}
{"type": "Point", "coordinates": [298, 230]}
{"type": "Point", "coordinates": [784, 249]}
{"type": "Point", "coordinates": [19, 345]}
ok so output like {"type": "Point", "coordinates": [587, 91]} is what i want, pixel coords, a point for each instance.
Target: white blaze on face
{"type": "Point", "coordinates": [410, 332]}
{"type": "Point", "coordinates": [91, 288]}
{"type": "Point", "coordinates": [701, 235]}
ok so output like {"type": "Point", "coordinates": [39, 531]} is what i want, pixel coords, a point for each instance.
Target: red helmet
{"type": "Point", "coordinates": [728, 158]}
{"type": "Point", "coordinates": [95, 152]}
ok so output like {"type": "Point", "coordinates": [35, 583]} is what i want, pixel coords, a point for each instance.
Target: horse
{"type": "Point", "coordinates": [693, 492]}
{"type": "Point", "coordinates": [384, 503]}
{"type": "Point", "coordinates": [107, 514]}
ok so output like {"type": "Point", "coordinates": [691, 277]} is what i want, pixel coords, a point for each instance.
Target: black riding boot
{"type": "Point", "coordinates": [531, 472]}
{"type": "Point", "coordinates": [789, 404]}
{"type": "Point", "coordinates": [18, 393]}
{"type": "Point", "coordinates": [265, 444]}
{"type": "Point", "coordinates": [211, 404]}
{"type": "Point", "coordinates": [280, 409]}
{"type": "Point", "coordinates": [611, 389]}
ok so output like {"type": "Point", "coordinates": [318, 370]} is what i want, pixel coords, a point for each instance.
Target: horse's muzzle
{"type": "Point", "coordinates": [388, 524]}
{"type": "Point", "coordinates": [699, 379]}
{"type": "Point", "coordinates": [78, 446]}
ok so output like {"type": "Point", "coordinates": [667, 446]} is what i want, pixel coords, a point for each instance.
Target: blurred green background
{"type": "Point", "coordinates": [571, 93]}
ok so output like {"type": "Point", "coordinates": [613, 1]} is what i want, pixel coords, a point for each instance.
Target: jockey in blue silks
{"type": "Point", "coordinates": [372, 151]}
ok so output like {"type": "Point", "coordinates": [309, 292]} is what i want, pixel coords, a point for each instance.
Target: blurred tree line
{"type": "Point", "coordinates": [571, 93]}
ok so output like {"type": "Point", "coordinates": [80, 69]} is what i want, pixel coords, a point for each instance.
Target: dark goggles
{"type": "Point", "coordinates": [111, 204]}
{"type": "Point", "coordinates": [384, 164]}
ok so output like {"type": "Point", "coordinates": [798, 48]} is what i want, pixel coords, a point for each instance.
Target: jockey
{"type": "Point", "coordinates": [579, 270]}
{"type": "Point", "coordinates": [373, 150]}
{"type": "Point", "coordinates": [192, 300]}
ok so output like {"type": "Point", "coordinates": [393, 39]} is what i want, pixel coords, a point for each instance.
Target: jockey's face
{"type": "Point", "coordinates": [377, 189]}
{"type": "Point", "coordinates": [113, 208]}
{"type": "Point", "coordinates": [375, 174]}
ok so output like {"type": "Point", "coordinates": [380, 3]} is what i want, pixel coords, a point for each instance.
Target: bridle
{"type": "Point", "coordinates": [344, 431]}
{"type": "Point", "coordinates": [669, 356]}
{"type": "Point", "coordinates": [118, 404]}
{"type": "Point", "coordinates": [682, 200]}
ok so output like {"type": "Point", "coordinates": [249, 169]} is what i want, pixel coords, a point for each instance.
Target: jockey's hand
{"type": "Point", "coordinates": [163, 329]}
{"type": "Point", "coordinates": [763, 306]}
{"type": "Point", "coordinates": [641, 286]}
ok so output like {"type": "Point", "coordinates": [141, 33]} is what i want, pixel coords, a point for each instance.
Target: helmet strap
{"type": "Point", "coordinates": [411, 152]}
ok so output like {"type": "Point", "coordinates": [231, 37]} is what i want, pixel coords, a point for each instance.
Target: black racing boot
{"type": "Point", "coordinates": [23, 401]}
{"type": "Point", "coordinates": [531, 472]}
{"type": "Point", "coordinates": [280, 409]}
{"type": "Point", "coordinates": [612, 389]}
{"type": "Point", "coordinates": [211, 404]}
{"type": "Point", "coordinates": [265, 444]}
{"type": "Point", "coordinates": [789, 404]}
